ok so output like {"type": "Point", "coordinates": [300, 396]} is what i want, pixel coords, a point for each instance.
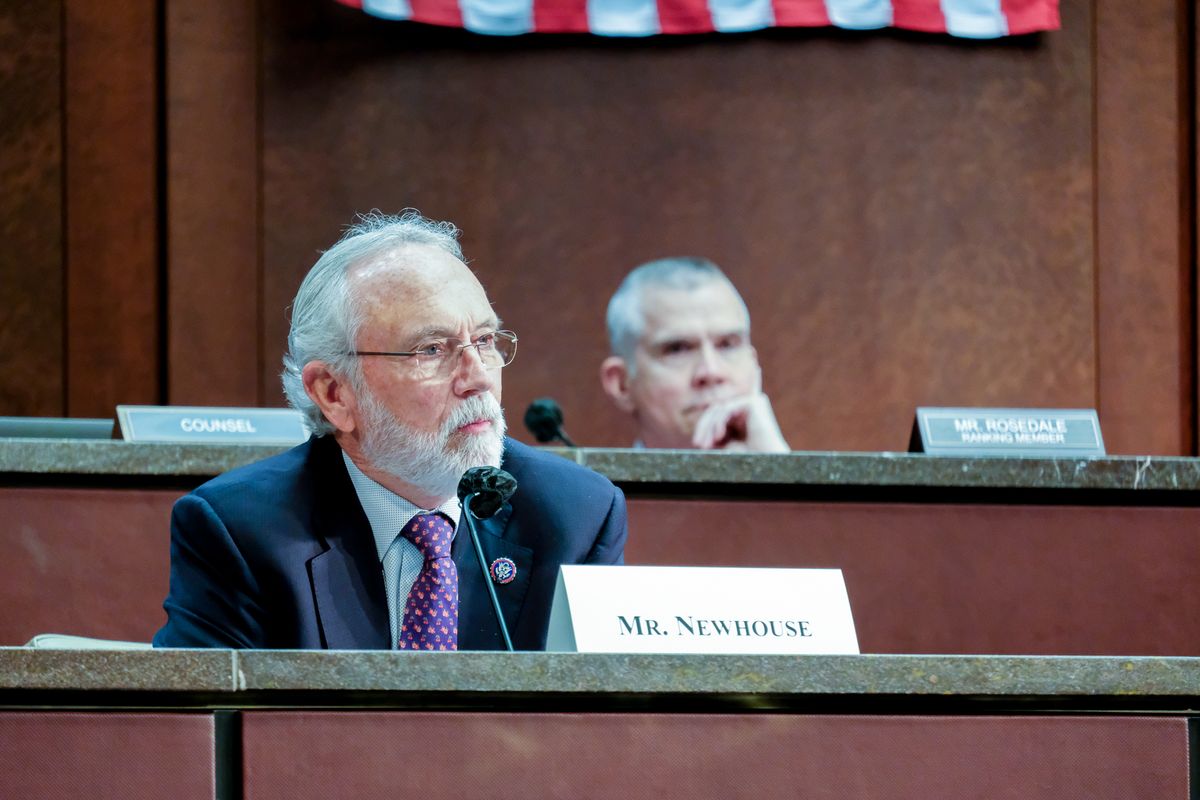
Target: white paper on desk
{"type": "Point", "coordinates": [624, 609]}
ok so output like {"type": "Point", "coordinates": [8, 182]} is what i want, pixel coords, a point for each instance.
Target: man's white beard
{"type": "Point", "coordinates": [432, 462]}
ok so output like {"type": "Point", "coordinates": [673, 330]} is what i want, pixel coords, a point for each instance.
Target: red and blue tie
{"type": "Point", "coordinates": [431, 613]}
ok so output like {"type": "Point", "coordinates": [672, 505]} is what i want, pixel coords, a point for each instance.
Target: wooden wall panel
{"type": "Point", "coordinates": [304, 754]}
{"type": "Point", "coordinates": [1145, 311]}
{"type": "Point", "coordinates": [212, 203]}
{"type": "Point", "coordinates": [87, 562]}
{"type": "Point", "coordinates": [961, 578]}
{"type": "Point", "coordinates": [131, 756]}
{"type": "Point", "coordinates": [112, 213]}
{"type": "Point", "coordinates": [909, 217]}
{"type": "Point", "coordinates": [31, 209]}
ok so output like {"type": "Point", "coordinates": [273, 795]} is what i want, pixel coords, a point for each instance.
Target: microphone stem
{"type": "Point", "coordinates": [487, 576]}
{"type": "Point", "coordinates": [566, 439]}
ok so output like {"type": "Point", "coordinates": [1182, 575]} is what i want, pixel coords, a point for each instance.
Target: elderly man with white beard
{"type": "Point", "coordinates": [351, 540]}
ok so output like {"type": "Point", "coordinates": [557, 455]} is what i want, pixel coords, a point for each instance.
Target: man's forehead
{"type": "Point", "coordinates": [709, 310]}
{"type": "Point", "coordinates": [411, 264]}
{"type": "Point", "coordinates": [433, 293]}
{"type": "Point", "coordinates": [449, 328]}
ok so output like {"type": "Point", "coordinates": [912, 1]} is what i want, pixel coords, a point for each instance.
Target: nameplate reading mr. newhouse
{"type": "Point", "coordinates": [623, 609]}
{"type": "Point", "coordinates": [224, 425]}
{"type": "Point", "coordinates": [1009, 432]}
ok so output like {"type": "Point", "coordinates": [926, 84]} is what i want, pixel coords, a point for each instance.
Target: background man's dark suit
{"type": "Point", "coordinates": [279, 554]}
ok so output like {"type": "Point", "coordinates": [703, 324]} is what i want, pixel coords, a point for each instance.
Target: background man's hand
{"type": "Point", "coordinates": [742, 424]}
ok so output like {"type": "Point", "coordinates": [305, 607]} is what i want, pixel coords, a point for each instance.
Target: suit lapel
{"type": "Point", "coordinates": [477, 628]}
{"type": "Point", "coordinates": [347, 580]}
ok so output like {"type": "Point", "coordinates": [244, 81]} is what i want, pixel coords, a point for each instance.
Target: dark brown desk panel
{"type": "Point", "coordinates": [946, 578]}
{"type": "Point", "coordinates": [301, 755]}
{"type": "Point", "coordinates": [90, 562]}
{"type": "Point", "coordinates": [130, 756]}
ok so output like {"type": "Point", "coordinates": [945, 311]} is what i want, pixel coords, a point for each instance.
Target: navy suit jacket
{"type": "Point", "coordinates": [279, 554]}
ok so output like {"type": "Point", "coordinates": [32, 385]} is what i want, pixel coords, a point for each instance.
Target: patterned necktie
{"type": "Point", "coordinates": [431, 613]}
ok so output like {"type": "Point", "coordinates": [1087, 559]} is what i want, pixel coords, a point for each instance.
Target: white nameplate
{"type": "Point", "coordinates": [224, 425]}
{"type": "Point", "coordinates": [621, 609]}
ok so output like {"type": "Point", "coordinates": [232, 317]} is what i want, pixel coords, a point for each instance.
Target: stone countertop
{"type": "Point", "coordinates": [101, 458]}
{"type": "Point", "coordinates": [228, 678]}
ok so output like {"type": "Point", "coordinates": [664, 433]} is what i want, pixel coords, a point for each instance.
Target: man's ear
{"type": "Point", "coordinates": [614, 377]}
{"type": "Point", "coordinates": [332, 395]}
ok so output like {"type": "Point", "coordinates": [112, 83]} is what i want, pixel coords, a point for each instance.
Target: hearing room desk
{"type": "Point", "coordinates": [197, 724]}
{"type": "Point", "coordinates": [940, 555]}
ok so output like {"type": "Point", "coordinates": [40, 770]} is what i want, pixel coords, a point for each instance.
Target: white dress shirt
{"type": "Point", "coordinates": [388, 513]}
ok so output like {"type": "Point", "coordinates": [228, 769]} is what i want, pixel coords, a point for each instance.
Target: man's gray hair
{"type": "Point", "coordinates": [626, 319]}
{"type": "Point", "coordinates": [325, 317]}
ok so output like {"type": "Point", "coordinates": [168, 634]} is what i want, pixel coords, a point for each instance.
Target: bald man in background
{"type": "Point", "coordinates": [681, 361]}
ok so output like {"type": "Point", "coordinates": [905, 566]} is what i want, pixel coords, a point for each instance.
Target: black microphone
{"type": "Point", "coordinates": [544, 418]}
{"type": "Point", "coordinates": [486, 489]}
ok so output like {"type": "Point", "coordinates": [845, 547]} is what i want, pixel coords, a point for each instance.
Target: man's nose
{"type": "Point", "coordinates": [471, 375]}
{"type": "Point", "coordinates": [710, 367]}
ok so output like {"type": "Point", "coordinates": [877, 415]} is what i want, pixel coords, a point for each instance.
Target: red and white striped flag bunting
{"type": "Point", "coordinates": [975, 19]}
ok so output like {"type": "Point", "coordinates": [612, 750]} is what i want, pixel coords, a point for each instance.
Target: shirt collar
{"type": "Point", "coordinates": [387, 511]}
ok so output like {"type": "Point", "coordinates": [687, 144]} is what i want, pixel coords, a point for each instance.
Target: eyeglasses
{"type": "Point", "coordinates": [438, 358]}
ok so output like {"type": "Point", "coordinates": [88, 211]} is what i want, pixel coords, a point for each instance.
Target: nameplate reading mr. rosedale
{"type": "Point", "coordinates": [1010, 431]}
